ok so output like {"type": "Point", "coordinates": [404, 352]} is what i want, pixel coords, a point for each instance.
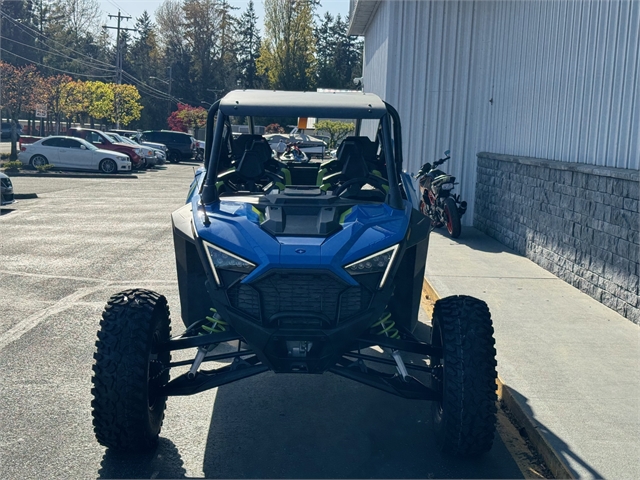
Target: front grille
{"type": "Point", "coordinates": [292, 298]}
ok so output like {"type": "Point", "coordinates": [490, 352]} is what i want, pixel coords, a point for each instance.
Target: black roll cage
{"type": "Point", "coordinates": [392, 144]}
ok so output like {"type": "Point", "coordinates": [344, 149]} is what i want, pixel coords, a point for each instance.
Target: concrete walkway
{"type": "Point", "coordinates": [571, 364]}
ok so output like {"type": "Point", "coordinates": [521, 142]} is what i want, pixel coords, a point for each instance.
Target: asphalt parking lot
{"type": "Point", "coordinates": [63, 254]}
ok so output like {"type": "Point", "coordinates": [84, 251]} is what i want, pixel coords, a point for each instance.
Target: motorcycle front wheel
{"type": "Point", "coordinates": [452, 217]}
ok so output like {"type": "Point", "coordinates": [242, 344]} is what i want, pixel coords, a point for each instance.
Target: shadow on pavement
{"type": "Point", "coordinates": [165, 462]}
{"type": "Point", "coordinates": [476, 240]}
{"type": "Point", "coordinates": [324, 426]}
{"type": "Point", "coordinates": [558, 445]}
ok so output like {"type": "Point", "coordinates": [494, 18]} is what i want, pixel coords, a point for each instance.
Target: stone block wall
{"type": "Point", "coordinates": [580, 222]}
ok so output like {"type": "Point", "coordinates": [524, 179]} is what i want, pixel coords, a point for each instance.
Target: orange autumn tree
{"type": "Point", "coordinates": [19, 88]}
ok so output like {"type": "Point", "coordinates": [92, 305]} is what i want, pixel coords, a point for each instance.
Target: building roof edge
{"type": "Point", "coordinates": [360, 14]}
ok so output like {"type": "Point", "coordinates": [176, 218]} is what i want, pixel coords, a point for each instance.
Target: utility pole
{"type": "Point", "coordinates": [118, 55]}
{"type": "Point", "coordinates": [169, 101]}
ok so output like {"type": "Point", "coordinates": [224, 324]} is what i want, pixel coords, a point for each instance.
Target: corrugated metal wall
{"type": "Point", "coordinates": [553, 79]}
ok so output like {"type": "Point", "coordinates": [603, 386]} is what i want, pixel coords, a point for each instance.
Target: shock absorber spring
{"type": "Point", "coordinates": [217, 324]}
{"type": "Point", "coordinates": [387, 326]}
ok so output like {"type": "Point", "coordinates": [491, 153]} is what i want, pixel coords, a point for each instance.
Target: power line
{"type": "Point", "coordinates": [119, 7]}
{"type": "Point", "coordinates": [39, 35]}
{"type": "Point", "coordinates": [54, 68]}
{"type": "Point", "coordinates": [60, 54]}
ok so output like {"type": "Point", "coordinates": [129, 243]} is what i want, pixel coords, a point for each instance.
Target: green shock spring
{"type": "Point", "coordinates": [387, 326]}
{"type": "Point", "coordinates": [217, 324]}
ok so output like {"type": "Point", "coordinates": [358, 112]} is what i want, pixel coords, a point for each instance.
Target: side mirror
{"type": "Point", "coordinates": [83, 147]}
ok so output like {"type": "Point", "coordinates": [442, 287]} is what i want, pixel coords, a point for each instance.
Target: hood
{"type": "Point", "coordinates": [362, 230]}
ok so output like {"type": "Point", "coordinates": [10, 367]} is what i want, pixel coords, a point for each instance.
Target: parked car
{"type": "Point", "coordinates": [6, 130]}
{"type": "Point", "coordinates": [73, 153]}
{"type": "Point", "coordinates": [6, 190]}
{"type": "Point", "coordinates": [100, 140]}
{"type": "Point", "coordinates": [148, 153]}
{"type": "Point", "coordinates": [135, 136]}
{"type": "Point", "coordinates": [181, 145]}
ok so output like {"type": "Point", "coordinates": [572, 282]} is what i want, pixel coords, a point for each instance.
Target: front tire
{"type": "Point", "coordinates": [108, 166]}
{"type": "Point", "coordinates": [452, 217]}
{"type": "Point", "coordinates": [128, 370]}
{"type": "Point", "coordinates": [174, 157]}
{"type": "Point", "coordinates": [38, 160]}
{"type": "Point", "coordinates": [465, 418]}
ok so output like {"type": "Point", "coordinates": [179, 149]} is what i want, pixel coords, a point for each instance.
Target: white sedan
{"type": "Point", "coordinates": [74, 154]}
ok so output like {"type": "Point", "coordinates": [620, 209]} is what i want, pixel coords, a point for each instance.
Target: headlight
{"type": "Point", "coordinates": [376, 263]}
{"type": "Point", "coordinates": [447, 186]}
{"type": "Point", "coordinates": [221, 259]}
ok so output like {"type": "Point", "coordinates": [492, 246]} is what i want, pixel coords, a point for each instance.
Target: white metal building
{"type": "Point", "coordinates": [549, 79]}
{"type": "Point", "coordinates": [539, 103]}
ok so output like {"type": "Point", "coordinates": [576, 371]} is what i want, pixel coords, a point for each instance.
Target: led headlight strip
{"type": "Point", "coordinates": [375, 263]}
{"type": "Point", "coordinates": [219, 258]}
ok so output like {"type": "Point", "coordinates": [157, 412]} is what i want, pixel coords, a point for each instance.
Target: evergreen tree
{"type": "Point", "coordinates": [17, 43]}
{"type": "Point", "coordinates": [325, 52]}
{"type": "Point", "coordinates": [249, 48]}
{"type": "Point", "coordinates": [339, 56]}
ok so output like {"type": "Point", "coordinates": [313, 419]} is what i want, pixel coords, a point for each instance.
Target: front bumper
{"type": "Point", "coordinates": [299, 321]}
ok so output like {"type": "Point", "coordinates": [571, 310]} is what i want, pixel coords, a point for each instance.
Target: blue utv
{"type": "Point", "coordinates": [298, 268]}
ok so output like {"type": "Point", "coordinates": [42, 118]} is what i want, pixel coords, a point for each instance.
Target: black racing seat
{"type": "Point", "coordinates": [364, 145]}
{"type": "Point", "coordinates": [245, 142]}
{"type": "Point", "coordinates": [252, 163]}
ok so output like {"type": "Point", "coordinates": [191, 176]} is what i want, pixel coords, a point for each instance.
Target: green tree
{"type": "Point", "coordinates": [336, 130]}
{"type": "Point", "coordinates": [100, 101]}
{"type": "Point", "coordinates": [76, 102]}
{"type": "Point", "coordinates": [325, 48]}
{"type": "Point", "coordinates": [249, 48]}
{"type": "Point", "coordinates": [339, 55]}
{"type": "Point", "coordinates": [145, 60]}
{"type": "Point", "coordinates": [126, 104]}
{"type": "Point", "coordinates": [17, 44]}
{"type": "Point", "coordinates": [287, 56]}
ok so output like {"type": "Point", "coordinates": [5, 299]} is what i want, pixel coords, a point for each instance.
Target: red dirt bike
{"type": "Point", "coordinates": [438, 202]}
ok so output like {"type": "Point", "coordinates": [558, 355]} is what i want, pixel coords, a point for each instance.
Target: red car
{"type": "Point", "coordinates": [99, 139]}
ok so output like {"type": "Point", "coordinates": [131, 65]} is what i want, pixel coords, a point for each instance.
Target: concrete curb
{"type": "Point", "coordinates": [553, 459]}
{"type": "Point", "coordinates": [25, 196]}
{"type": "Point", "coordinates": [69, 175]}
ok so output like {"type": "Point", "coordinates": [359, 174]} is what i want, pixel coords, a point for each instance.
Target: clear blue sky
{"type": "Point", "coordinates": [134, 8]}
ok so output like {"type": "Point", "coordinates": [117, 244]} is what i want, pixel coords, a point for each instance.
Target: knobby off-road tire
{"type": "Point", "coordinates": [452, 217]}
{"type": "Point", "coordinates": [465, 419]}
{"type": "Point", "coordinates": [127, 415]}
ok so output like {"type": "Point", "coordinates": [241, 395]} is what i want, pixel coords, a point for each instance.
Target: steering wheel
{"type": "Point", "coordinates": [234, 187]}
{"type": "Point", "coordinates": [376, 182]}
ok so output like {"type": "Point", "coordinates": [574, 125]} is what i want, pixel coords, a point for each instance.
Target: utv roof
{"type": "Point", "coordinates": [276, 103]}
